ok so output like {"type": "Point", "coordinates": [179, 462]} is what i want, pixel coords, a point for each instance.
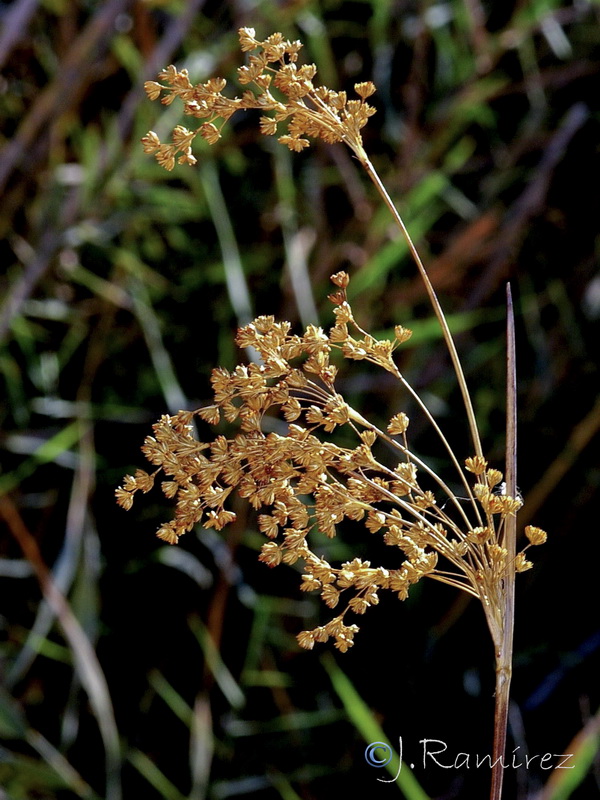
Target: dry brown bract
{"type": "Point", "coordinates": [302, 482]}
{"type": "Point", "coordinates": [281, 87]}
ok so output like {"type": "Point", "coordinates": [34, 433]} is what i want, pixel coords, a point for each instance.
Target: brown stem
{"type": "Point", "coordinates": [503, 641]}
{"type": "Point", "coordinates": [503, 676]}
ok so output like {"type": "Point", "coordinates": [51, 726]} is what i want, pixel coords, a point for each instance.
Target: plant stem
{"type": "Point", "coordinates": [363, 158]}
{"type": "Point", "coordinates": [504, 647]}
{"type": "Point", "coordinates": [502, 626]}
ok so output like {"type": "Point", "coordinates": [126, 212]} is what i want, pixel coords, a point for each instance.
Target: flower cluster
{"type": "Point", "coordinates": [301, 482]}
{"type": "Point", "coordinates": [280, 86]}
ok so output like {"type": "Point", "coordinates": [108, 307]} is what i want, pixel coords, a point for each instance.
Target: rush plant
{"type": "Point", "coordinates": [302, 481]}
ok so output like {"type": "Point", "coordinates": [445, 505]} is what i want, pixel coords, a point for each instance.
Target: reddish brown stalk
{"type": "Point", "coordinates": [504, 645]}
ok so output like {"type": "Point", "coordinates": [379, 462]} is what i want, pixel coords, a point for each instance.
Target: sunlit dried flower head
{"type": "Point", "coordinates": [280, 86]}
{"type": "Point", "coordinates": [304, 483]}
{"type": "Point", "coordinates": [303, 480]}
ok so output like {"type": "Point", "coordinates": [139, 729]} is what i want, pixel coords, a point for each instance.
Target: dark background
{"type": "Point", "coordinates": [115, 308]}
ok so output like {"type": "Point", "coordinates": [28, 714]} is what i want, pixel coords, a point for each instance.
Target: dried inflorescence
{"type": "Point", "coordinates": [303, 482]}
{"type": "Point", "coordinates": [280, 86]}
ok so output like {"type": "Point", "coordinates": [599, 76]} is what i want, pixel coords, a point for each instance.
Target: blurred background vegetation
{"type": "Point", "coordinates": [134, 670]}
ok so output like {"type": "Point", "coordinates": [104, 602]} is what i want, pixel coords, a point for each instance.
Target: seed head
{"type": "Point", "coordinates": [535, 535]}
{"type": "Point", "coordinates": [304, 482]}
{"type": "Point", "coordinates": [285, 92]}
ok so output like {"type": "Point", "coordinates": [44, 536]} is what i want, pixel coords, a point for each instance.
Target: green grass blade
{"type": "Point", "coordinates": [584, 749]}
{"type": "Point", "coordinates": [171, 697]}
{"type": "Point", "coordinates": [365, 723]}
{"type": "Point", "coordinates": [284, 787]}
{"type": "Point", "coordinates": [163, 364]}
{"type": "Point", "coordinates": [48, 451]}
{"type": "Point", "coordinates": [55, 759]}
{"type": "Point", "coordinates": [215, 663]}
{"type": "Point", "coordinates": [235, 279]}
{"type": "Point", "coordinates": [154, 776]}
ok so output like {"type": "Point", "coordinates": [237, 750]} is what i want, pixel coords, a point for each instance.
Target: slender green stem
{"type": "Point", "coordinates": [504, 637]}
{"type": "Point", "coordinates": [432, 297]}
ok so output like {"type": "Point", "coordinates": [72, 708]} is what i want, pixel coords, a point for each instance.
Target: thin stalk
{"type": "Point", "coordinates": [504, 639]}
{"type": "Point", "coordinates": [433, 299]}
{"type": "Point", "coordinates": [422, 465]}
{"type": "Point", "coordinates": [432, 421]}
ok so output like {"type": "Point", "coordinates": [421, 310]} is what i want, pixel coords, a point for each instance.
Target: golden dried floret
{"type": "Point", "coordinates": [210, 414]}
{"type": "Point", "coordinates": [219, 519]}
{"type": "Point", "coordinates": [310, 583]}
{"type": "Point", "coordinates": [306, 639]}
{"type": "Point", "coordinates": [407, 472]}
{"type": "Point", "coordinates": [151, 142]}
{"type": "Point", "coordinates": [482, 492]}
{"type": "Point", "coordinates": [124, 498]}
{"type": "Point", "coordinates": [187, 158]}
{"type": "Point", "coordinates": [375, 521]}
{"type": "Point", "coordinates": [521, 563]}
{"type": "Point", "coordinates": [247, 37]}
{"type": "Point", "coordinates": [479, 535]}
{"type": "Point", "coordinates": [402, 334]}
{"type": "Point", "coordinates": [143, 481]}
{"type": "Point", "coordinates": [535, 535]}
{"type": "Point", "coordinates": [398, 424]}
{"type": "Point", "coordinates": [268, 126]}
{"type": "Point", "coordinates": [494, 476]}
{"type": "Point", "coordinates": [168, 533]}
{"type": "Point", "coordinates": [165, 156]}
{"type": "Point", "coordinates": [340, 279]}
{"type": "Point", "coordinates": [330, 595]}
{"type": "Point", "coordinates": [476, 464]}
{"type": "Point", "coordinates": [294, 143]}
{"type": "Point", "coordinates": [153, 90]}
{"type": "Point", "coordinates": [506, 505]}
{"type": "Point", "coordinates": [210, 132]}
{"type": "Point", "coordinates": [169, 488]}
{"type": "Point", "coordinates": [358, 604]}
{"type": "Point", "coordinates": [497, 554]}
{"type": "Point", "coordinates": [343, 314]}
{"type": "Point", "coordinates": [368, 437]}
{"type": "Point", "coordinates": [365, 89]}
{"type": "Point", "coordinates": [182, 137]}
{"type": "Point", "coordinates": [459, 548]}
{"type": "Point", "coordinates": [343, 642]}
{"type": "Point", "coordinates": [320, 634]}
{"type": "Point", "coordinates": [338, 334]}
{"type": "Point", "coordinates": [271, 554]}
{"type": "Point", "coordinates": [425, 500]}
{"type": "Point", "coordinates": [337, 298]}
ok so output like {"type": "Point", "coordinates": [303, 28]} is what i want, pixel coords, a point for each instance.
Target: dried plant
{"type": "Point", "coordinates": [300, 480]}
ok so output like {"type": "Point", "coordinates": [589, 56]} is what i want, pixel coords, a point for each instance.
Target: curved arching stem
{"type": "Point", "coordinates": [458, 370]}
